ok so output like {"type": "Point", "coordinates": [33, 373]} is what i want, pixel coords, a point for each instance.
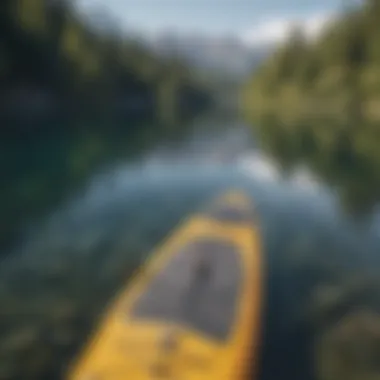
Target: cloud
{"type": "Point", "coordinates": [276, 30]}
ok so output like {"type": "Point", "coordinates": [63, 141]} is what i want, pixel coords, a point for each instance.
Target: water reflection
{"type": "Point", "coordinates": [345, 157]}
{"type": "Point", "coordinates": [41, 170]}
{"type": "Point", "coordinates": [55, 285]}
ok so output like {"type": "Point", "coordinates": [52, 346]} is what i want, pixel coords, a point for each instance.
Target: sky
{"type": "Point", "coordinates": [254, 21]}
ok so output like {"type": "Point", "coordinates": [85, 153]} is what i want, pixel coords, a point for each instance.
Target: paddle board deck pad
{"type": "Point", "coordinates": [193, 311]}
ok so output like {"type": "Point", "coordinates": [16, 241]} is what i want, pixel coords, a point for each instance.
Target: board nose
{"type": "Point", "coordinates": [236, 197]}
{"type": "Point", "coordinates": [232, 206]}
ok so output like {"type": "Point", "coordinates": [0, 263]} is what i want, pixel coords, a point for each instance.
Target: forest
{"type": "Point", "coordinates": [315, 104]}
{"type": "Point", "coordinates": [75, 94]}
{"type": "Point", "coordinates": [318, 103]}
{"type": "Point", "coordinates": [56, 62]}
{"type": "Point", "coordinates": [337, 75]}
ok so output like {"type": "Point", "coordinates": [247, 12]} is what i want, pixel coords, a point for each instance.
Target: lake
{"type": "Point", "coordinates": [104, 212]}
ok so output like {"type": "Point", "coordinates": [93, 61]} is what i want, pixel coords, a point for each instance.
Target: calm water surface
{"type": "Point", "coordinates": [73, 258]}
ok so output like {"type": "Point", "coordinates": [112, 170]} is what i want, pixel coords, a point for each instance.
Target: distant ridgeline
{"type": "Point", "coordinates": [338, 74]}
{"type": "Point", "coordinates": [54, 62]}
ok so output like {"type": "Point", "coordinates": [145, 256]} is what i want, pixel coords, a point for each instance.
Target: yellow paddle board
{"type": "Point", "coordinates": [193, 311]}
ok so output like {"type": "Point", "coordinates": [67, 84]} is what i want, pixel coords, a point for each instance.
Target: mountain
{"type": "Point", "coordinates": [219, 55]}
{"type": "Point", "coordinates": [222, 55]}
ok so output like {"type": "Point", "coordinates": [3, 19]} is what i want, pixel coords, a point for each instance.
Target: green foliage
{"type": "Point", "coordinates": [49, 46]}
{"type": "Point", "coordinates": [31, 15]}
{"type": "Point", "coordinates": [110, 93]}
{"type": "Point", "coordinates": [338, 72]}
{"type": "Point", "coordinates": [319, 103]}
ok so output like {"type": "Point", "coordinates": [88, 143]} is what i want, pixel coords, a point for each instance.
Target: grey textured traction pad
{"type": "Point", "coordinates": [207, 305]}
